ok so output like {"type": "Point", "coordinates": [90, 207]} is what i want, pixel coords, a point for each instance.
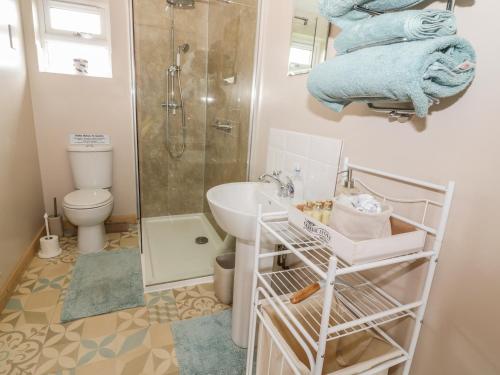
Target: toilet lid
{"type": "Point", "coordinates": [88, 198]}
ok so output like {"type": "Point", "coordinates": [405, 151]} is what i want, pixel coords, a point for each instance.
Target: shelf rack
{"type": "Point", "coordinates": [397, 113]}
{"type": "Point", "coordinates": [348, 302]}
{"type": "Point", "coordinates": [374, 306]}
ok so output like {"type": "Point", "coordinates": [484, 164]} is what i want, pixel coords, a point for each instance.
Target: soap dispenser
{"type": "Point", "coordinates": [298, 184]}
{"type": "Point", "coordinates": [347, 187]}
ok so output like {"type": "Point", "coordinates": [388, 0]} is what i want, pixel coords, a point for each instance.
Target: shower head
{"type": "Point", "coordinates": [181, 3]}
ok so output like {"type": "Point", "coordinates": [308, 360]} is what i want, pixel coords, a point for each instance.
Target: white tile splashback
{"type": "Point", "coordinates": [318, 157]}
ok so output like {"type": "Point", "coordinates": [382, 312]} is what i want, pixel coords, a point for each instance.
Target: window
{"type": "Point", "coordinates": [74, 37]}
{"type": "Point", "coordinates": [300, 56]}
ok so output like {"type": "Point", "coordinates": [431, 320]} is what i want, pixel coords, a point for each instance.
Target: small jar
{"type": "Point", "coordinates": [308, 209]}
{"type": "Point", "coordinates": [327, 212]}
{"type": "Point", "coordinates": [316, 212]}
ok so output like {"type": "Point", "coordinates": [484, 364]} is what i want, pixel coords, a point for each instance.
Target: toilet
{"type": "Point", "coordinates": [91, 204]}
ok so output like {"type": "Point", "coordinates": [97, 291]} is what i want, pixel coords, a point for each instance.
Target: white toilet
{"type": "Point", "coordinates": [91, 204]}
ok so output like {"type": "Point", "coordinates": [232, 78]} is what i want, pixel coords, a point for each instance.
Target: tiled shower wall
{"type": "Point", "coordinates": [230, 75]}
{"type": "Point", "coordinates": [170, 186]}
{"type": "Point", "coordinates": [217, 75]}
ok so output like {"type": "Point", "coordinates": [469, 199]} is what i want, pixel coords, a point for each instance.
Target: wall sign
{"type": "Point", "coordinates": [89, 139]}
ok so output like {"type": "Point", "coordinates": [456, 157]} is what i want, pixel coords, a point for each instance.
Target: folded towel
{"type": "Point", "coordinates": [396, 27]}
{"type": "Point", "coordinates": [342, 12]}
{"type": "Point", "coordinates": [417, 72]}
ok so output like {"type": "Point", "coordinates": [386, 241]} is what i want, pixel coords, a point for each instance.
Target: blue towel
{"type": "Point", "coordinates": [417, 72]}
{"type": "Point", "coordinates": [396, 27]}
{"type": "Point", "coordinates": [342, 13]}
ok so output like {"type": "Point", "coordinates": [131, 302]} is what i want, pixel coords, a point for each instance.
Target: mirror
{"type": "Point", "coordinates": [309, 37]}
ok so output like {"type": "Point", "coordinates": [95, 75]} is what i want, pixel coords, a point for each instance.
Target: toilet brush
{"type": "Point", "coordinates": [49, 244]}
{"type": "Point", "coordinates": [46, 219]}
{"type": "Point", "coordinates": [55, 222]}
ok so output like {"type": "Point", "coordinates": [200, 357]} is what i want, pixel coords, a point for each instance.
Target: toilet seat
{"type": "Point", "coordinates": [87, 199]}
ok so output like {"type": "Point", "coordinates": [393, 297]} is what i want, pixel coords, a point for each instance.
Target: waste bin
{"type": "Point", "coordinates": [224, 277]}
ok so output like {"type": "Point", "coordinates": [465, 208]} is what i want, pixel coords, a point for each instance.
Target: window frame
{"type": "Point", "coordinates": [47, 34]}
{"type": "Point", "coordinates": [85, 6]}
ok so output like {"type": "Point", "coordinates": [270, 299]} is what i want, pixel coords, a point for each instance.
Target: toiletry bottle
{"type": "Point", "coordinates": [347, 186]}
{"type": "Point", "coordinates": [298, 184]}
{"type": "Point", "coordinates": [316, 212]}
{"type": "Point", "coordinates": [327, 212]}
{"type": "Point", "coordinates": [308, 208]}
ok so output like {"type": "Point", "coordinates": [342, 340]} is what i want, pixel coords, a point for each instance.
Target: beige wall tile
{"type": "Point", "coordinates": [168, 186]}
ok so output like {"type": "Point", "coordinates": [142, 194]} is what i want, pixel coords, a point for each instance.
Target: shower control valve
{"type": "Point", "coordinates": [172, 69]}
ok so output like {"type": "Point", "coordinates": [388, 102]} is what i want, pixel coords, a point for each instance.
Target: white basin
{"type": "Point", "coordinates": [234, 207]}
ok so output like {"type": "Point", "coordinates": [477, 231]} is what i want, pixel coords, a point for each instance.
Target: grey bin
{"type": "Point", "coordinates": [224, 277]}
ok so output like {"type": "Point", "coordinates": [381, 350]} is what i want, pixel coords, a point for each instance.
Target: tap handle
{"type": "Point", "coordinates": [290, 186]}
{"type": "Point", "coordinates": [276, 173]}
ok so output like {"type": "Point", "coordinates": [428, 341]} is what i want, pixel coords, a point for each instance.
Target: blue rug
{"type": "Point", "coordinates": [104, 282]}
{"type": "Point", "coordinates": [204, 346]}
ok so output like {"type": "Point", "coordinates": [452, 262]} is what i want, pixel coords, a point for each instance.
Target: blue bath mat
{"type": "Point", "coordinates": [204, 346]}
{"type": "Point", "coordinates": [104, 282]}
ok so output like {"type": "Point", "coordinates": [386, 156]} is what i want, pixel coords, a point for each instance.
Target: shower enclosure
{"type": "Point", "coordinates": [194, 66]}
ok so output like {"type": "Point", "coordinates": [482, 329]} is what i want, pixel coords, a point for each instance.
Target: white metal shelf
{"type": "Point", "coordinates": [397, 358]}
{"type": "Point", "coordinates": [315, 253]}
{"type": "Point", "coordinates": [347, 302]}
{"type": "Point", "coordinates": [358, 305]}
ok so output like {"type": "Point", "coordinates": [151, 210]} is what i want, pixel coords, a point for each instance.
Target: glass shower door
{"type": "Point", "coordinates": [230, 77]}
{"type": "Point", "coordinates": [211, 46]}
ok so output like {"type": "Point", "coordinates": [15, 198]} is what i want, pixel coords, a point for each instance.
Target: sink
{"type": "Point", "coordinates": [234, 207]}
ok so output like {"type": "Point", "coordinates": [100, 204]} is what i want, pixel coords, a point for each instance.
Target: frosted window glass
{"type": "Point", "coordinates": [300, 57]}
{"type": "Point", "coordinates": [73, 20]}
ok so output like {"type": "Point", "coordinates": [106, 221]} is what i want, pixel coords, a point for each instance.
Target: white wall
{"type": "Point", "coordinates": [20, 185]}
{"type": "Point", "coordinates": [65, 104]}
{"type": "Point", "coordinates": [457, 142]}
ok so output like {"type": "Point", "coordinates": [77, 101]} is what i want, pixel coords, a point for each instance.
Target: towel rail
{"type": "Point", "coordinates": [399, 114]}
{"type": "Point", "coordinates": [366, 10]}
{"type": "Point", "coordinates": [450, 5]}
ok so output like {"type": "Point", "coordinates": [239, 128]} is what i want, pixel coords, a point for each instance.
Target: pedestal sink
{"type": "Point", "coordinates": [234, 207]}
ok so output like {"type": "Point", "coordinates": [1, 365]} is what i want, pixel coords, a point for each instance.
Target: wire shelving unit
{"type": "Point", "coordinates": [348, 302]}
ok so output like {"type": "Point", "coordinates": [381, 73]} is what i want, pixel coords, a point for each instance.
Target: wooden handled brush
{"type": "Point", "coordinates": [309, 290]}
{"type": "Point", "coordinates": [305, 293]}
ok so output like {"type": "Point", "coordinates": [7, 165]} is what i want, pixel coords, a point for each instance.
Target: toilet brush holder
{"type": "Point", "coordinates": [49, 247]}
{"type": "Point", "coordinates": [56, 226]}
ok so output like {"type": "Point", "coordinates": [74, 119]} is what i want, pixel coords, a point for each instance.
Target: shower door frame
{"type": "Point", "coordinates": [252, 133]}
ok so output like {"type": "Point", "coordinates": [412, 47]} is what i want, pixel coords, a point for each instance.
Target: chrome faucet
{"type": "Point", "coordinates": [286, 189]}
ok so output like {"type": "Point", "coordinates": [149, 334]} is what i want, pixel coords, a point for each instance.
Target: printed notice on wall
{"type": "Point", "coordinates": [89, 139]}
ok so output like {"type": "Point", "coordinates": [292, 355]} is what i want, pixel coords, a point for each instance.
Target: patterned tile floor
{"type": "Point", "coordinates": [135, 341]}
